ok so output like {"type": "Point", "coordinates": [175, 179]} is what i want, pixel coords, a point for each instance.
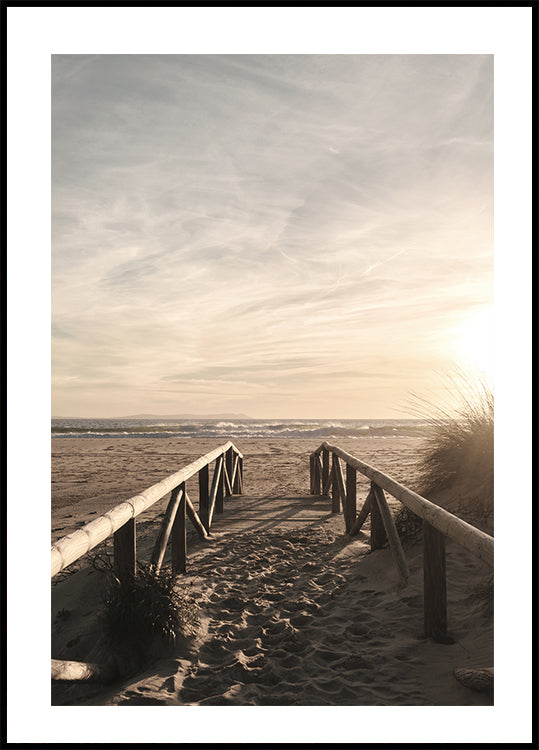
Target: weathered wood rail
{"type": "Point", "coordinates": [438, 524]}
{"type": "Point", "coordinates": [120, 522]}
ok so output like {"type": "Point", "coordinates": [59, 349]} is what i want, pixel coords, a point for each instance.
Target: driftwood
{"type": "Point", "coordinates": [78, 671]}
{"type": "Point", "coordinates": [481, 680]}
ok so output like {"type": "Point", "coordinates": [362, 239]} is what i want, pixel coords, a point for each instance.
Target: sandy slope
{"type": "Point", "coordinates": [292, 613]}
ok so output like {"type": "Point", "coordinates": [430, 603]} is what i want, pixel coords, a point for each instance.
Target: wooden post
{"type": "Point", "coordinates": [391, 531]}
{"type": "Point", "coordinates": [240, 476]}
{"type": "Point", "coordinates": [325, 471]}
{"type": "Point", "coordinates": [378, 532]}
{"type": "Point", "coordinates": [311, 472]}
{"type": "Point", "coordinates": [179, 537]}
{"type": "Point", "coordinates": [340, 482]}
{"type": "Point", "coordinates": [220, 489]}
{"type": "Point", "coordinates": [204, 496]}
{"type": "Point", "coordinates": [125, 551]}
{"type": "Point", "coordinates": [434, 584]}
{"type": "Point", "coordinates": [158, 554]}
{"type": "Point", "coordinates": [195, 520]}
{"type": "Point", "coordinates": [229, 463]}
{"type": "Point", "coordinates": [362, 515]}
{"type": "Point", "coordinates": [236, 484]}
{"type": "Point", "coordinates": [351, 495]}
{"type": "Point", "coordinates": [335, 495]}
{"type": "Point", "coordinates": [317, 474]}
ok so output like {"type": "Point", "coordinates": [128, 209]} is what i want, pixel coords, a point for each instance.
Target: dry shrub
{"type": "Point", "coordinates": [143, 617]}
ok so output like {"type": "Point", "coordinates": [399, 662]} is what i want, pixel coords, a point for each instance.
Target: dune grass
{"type": "Point", "coordinates": [456, 469]}
{"type": "Point", "coordinates": [460, 448]}
{"type": "Point", "coordinates": [143, 617]}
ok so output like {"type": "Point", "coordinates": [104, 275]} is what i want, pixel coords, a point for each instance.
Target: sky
{"type": "Point", "coordinates": [283, 236]}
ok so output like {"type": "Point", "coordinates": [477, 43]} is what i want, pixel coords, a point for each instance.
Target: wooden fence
{"type": "Point", "coordinates": [438, 524]}
{"type": "Point", "coordinates": [120, 522]}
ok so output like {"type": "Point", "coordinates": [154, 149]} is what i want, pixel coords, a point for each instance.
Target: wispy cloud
{"type": "Point", "coordinates": [272, 222]}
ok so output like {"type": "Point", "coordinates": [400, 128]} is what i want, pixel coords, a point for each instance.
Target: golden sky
{"type": "Point", "coordinates": [278, 235]}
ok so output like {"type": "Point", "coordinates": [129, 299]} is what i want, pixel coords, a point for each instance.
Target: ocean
{"type": "Point", "coordinates": [238, 428]}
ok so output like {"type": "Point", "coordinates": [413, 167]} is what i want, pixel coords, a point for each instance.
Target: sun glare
{"type": "Point", "coordinates": [475, 342]}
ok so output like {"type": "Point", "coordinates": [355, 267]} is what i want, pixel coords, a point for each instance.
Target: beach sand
{"type": "Point", "coordinates": [292, 611]}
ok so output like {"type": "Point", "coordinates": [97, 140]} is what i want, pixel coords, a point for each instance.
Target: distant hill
{"type": "Point", "coordinates": [167, 416]}
{"type": "Point", "coordinates": [185, 416]}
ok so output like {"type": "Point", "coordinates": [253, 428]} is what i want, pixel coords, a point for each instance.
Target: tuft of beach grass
{"type": "Point", "coordinates": [143, 616]}
{"type": "Point", "coordinates": [456, 470]}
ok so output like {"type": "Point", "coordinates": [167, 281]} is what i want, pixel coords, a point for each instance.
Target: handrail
{"type": "Point", "coordinates": [468, 536]}
{"type": "Point", "coordinates": [73, 546]}
{"type": "Point", "coordinates": [438, 524]}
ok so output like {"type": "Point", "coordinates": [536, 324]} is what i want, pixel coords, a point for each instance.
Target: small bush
{"type": "Point", "coordinates": [143, 617]}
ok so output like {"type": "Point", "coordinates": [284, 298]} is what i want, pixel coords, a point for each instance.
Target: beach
{"type": "Point", "coordinates": [292, 611]}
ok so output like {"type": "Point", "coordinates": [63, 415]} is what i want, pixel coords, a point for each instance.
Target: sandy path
{"type": "Point", "coordinates": [293, 612]}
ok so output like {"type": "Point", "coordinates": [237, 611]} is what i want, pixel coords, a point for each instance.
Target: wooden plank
{"type": "Point", "coordinates": [204, 497]}
{"type": "Point", "coordinates": [227, 485]}
{"type": "Point", "coordinates": [391, 531]}
{"type": "Point", "coordinates": [240, 476]}
{"type": "Point", "coordinates": [317, 474]}
{"type": "Point", "coordinates": [159, 550]}
{"type": "Point", "coordinates": [215, 487]}
{"type": "Point", "coordinates": [229, 464]}
{"type": "Point", "coordinates": [335, 494]}
{"type": "Point", "coordinates": [219, 506]}
{"type": "Point", "coordinates": [73, 546]}
{"type": "Point", "coordinates": [193, 517]}
{"type": "Point", "coordinates": [351, 494]}
{"type": "Point", "coordinates": [434, 584]}
{"type": "Point", "coordinates": [474, 540]}
{"type": "Point", "coordinates": [340, 482]}
{"type": "Point", "coordinates": [378, 532]}
{"type": "Point", "coordinates": [236, 480]}
{"type": "Point", "coordinates": [362, 516]}
{"type": "Point", "coordinates": [328, 485]}
{"type": "Point", "coordinates": [125, 551]}
{"type": "Point", "coordinates": [178, 537]}
{"type": "Point", "coordinates": [325, 473]}
{"type": "Point", "coordinates": [234, 472]}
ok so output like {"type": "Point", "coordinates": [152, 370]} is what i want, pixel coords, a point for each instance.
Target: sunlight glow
{"type": "Point", "coordinates": [476, 341]}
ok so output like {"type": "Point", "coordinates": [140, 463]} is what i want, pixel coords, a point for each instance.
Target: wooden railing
{"type": "Point", "coordinates": [120, 522]}
{"type": "Point", "coordinates": [438, 524]}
